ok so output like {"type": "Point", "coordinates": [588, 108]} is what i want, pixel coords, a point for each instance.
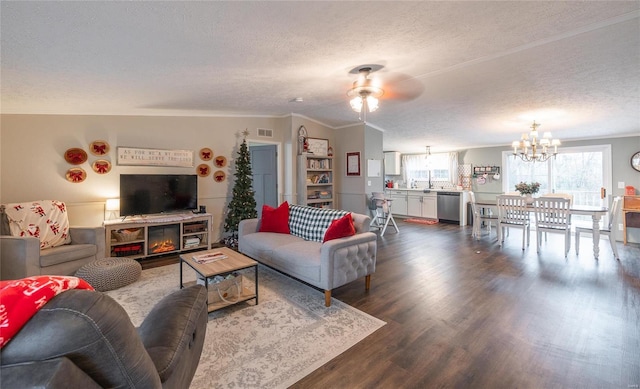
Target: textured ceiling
{"type": "Point", "coordinates": [455, 74]}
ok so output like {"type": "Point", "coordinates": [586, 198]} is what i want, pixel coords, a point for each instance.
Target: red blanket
{"type": "Point", "coordinates": [21, 299]}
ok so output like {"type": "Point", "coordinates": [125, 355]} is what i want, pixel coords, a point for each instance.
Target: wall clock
{"type": "Point", "coordinates": [635, 161]}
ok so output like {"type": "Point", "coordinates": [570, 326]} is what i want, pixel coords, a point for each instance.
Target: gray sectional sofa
{"type": "Point", "coordinates": [324, 265]}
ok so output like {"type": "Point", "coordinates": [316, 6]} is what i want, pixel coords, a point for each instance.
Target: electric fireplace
{"type": "Point", "coordinates": [164, 239]}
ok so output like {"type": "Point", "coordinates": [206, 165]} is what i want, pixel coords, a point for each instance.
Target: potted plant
{"type": "Point", "coordinates": [528, 190]}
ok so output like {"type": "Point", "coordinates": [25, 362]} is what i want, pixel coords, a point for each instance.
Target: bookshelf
{"type": "Point", "coordinates": [315, 181]}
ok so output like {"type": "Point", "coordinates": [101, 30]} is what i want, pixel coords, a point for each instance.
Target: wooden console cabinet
{"type": "Point", "coordinates": [630, 214]}
{"type": "Point", "coordinates": [149, 236]}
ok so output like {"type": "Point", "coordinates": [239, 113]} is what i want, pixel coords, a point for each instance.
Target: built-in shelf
{"type": "Point", "coordinates": [315, 181]}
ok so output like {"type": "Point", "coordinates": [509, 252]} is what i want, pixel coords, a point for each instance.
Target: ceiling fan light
{"type": "Point", "coordinates": [372, 103]}
{"type": "Point", "coordinates": [356, 104]}
{"type": "Point", "coordinates": [365, 92]}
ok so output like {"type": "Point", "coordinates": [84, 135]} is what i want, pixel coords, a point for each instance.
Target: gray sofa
{"type": "Point", "coordinates": [22, 257]}
{"type": "Point", "coordinates": [324, 265]}
{"type": "Point", "coordinates": [85, 339]}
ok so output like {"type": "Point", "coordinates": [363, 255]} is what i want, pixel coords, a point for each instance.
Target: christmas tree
{"type": "Point", "coordinates": [243, 204]}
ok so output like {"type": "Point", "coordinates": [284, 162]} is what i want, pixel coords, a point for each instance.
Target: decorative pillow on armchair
{"type": "Point", "coordinates": [44, 219]}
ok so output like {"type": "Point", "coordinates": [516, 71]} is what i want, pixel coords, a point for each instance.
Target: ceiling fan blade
{"type": "Point", "coordinates": [401, 87]}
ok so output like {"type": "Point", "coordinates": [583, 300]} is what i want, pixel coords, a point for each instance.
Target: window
{"type": "Point", "coordinates": [438, 169]}
{"type": "Point", "coordinates": [579, 171]}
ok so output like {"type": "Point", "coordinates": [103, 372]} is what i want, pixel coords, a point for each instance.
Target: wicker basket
{"type": "Point", "coordinates": [126, 235]}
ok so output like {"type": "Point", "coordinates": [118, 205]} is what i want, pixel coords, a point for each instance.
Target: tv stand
{"type": "Point", "coordinates": [146, 236]}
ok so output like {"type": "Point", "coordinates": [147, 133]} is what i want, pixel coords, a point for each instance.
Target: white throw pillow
{"type": "Point", "coordinates": [44, 219]}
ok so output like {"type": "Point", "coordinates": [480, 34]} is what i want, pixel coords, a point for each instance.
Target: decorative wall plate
{"type": "Point", "coordinates": [219, 176]}
{"type": "Point", "coordinates": [75, 156]}
{"type": "Point", "coordinates": [76, 175]}
{"type": "Point", "coordinates": [203, 170]}
{"type": "Point", "coordinates": [99, 147]}
{"type": "Point", "coordinates": [101, 166]}
{"type": "Point", "coordinates": [220, 161]}
{"type": "Point", "coordinates": [206, 154]}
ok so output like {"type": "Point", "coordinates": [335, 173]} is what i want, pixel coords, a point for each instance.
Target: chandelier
{"type": "Point", "coordinates": [364, 93]}
{"type": "Point", "coordinates": [530, 148]}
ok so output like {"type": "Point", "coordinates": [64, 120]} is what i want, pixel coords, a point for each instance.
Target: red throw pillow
{"type": "Point", "coordinates": [275, 219]}
{"type": "Point", "coordinates": [340, 228]}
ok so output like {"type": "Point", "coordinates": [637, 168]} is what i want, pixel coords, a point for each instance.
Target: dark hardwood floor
{"type": "Point", "coordinates": [463, 313]}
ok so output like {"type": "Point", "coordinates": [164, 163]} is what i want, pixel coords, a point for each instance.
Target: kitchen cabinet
{"type": "Point", "coordinates": [392, 165]}
{"type": "Point", "coordinates": [414, 206]}
{"type": "Point", "coordinates": [399, 203]}
{"type": "Point", "coordinates": [430, 206]}
{"type": "Point", "coordinates": [422, 205]}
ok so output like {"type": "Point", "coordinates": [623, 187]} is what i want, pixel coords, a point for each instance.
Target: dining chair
{"type": "Point", "coordinates": [609, 231]}
{"type": "Point", "coordinates": [381, 215]}
{"type": "Point", "coordinates": [480, 217]}
{"type": "Point", "coordinates": [553, 214]}
{"type": "Point", "coordinates": [513, 213]}
{"type": "Point", "coordinates": [562, 196]}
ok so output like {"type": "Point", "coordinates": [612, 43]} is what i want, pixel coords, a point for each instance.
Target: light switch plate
{"type": "Point", "coordinates": [620, 184]}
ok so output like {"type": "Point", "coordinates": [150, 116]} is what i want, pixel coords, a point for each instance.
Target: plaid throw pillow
{"type": "Point", "coordinates": [311, 223]}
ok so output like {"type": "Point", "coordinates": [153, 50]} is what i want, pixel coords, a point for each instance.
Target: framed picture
{"type": "Point", "coordinates": [318, 146]}
{"type": "Point", "coordinates": [353, 163]}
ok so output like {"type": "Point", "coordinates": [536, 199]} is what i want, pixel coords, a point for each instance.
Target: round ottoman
{"type": "Point", "coordinates": [110, 273]}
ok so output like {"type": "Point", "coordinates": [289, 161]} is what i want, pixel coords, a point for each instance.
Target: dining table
{"type": "Point", "coordinates": [596, 213]}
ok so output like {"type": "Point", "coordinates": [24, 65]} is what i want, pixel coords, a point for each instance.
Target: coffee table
{"type": "Point", "coordinates": [234, 262]}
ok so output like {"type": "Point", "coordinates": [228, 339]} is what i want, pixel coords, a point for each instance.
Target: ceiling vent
{"type": "Point", "coordinates": [265, 133]}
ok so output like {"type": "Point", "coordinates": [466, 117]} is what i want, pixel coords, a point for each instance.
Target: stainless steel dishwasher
{"type": "Point", "coordinates": [449, 207]}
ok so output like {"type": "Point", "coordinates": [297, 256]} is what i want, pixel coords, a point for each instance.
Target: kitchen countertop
{"type": "Point", "coordinates": [422, 190]}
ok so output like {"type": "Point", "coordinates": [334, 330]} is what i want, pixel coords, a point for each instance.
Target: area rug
{"type": "Point", "coordinates": [421, 221]}
{"type": "Point", "coordinates": [289, 334]}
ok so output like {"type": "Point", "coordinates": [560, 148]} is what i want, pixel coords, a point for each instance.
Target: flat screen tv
{"type": "Point", "coordinates": [142, 194]}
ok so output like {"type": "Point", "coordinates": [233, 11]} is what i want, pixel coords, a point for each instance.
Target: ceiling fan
{"type": "Point", "coordinates": [367, 90]}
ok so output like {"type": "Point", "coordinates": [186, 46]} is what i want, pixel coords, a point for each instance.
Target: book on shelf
{"type": "Point", "coordinates": [209, 257]}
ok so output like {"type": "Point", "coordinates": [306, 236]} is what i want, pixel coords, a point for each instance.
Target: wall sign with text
{"type": "Point", "coordinates": [134, 156]}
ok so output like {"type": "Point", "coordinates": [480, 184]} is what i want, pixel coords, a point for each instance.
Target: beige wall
{"type": "Point", "coordinates": [32, 164]}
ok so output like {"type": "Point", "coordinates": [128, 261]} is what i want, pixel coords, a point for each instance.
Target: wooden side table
{"type": "Point", "coordinates": [630, 211]}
